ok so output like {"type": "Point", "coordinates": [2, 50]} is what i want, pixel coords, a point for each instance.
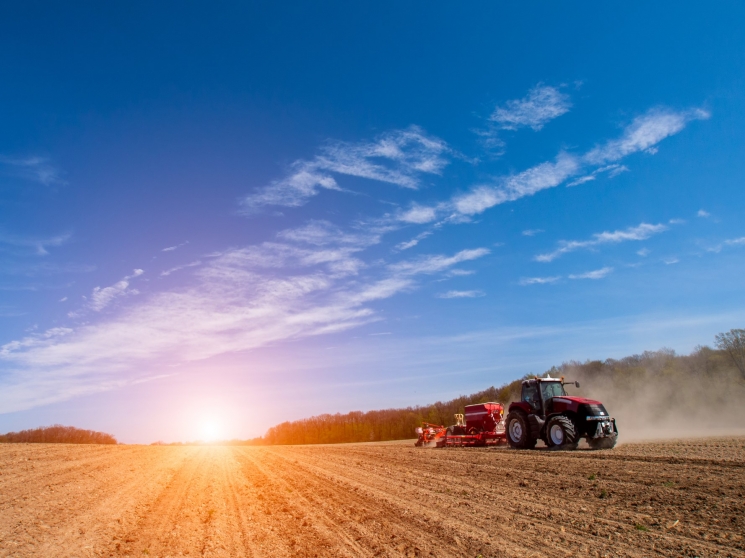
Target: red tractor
{"type": "Point", "coordinates": [545, 412]}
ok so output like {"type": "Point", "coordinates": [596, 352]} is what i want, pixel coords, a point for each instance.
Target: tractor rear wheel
{"type": "Point", "coordinates": [560, 433]}
{"type": "Point", "coordinates": [603, 443]}
{"type": "Point", "coordinates": [518, 431]}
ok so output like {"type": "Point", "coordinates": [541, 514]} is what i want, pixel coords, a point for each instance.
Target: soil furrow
{"type": "Point", "coordinates": [173, 524]}
{"type": "Point", "coordinates": [359, 515]}
{"type": "Point", "coordinates": [292, 506]}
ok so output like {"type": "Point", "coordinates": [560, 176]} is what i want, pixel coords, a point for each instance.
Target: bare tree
{"type": "Point", "coordinates": [733, 343]}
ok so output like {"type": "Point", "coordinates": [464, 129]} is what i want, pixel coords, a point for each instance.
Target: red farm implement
{"type": "Point", "coordinates": [480, 425]}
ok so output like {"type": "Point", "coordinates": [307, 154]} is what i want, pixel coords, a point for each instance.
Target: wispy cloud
{"type": "Point", "coordinates": [640, 232]}
{"type": "Point", "coordinates": [339, 260]}
{"type": "Point", "coordinates": [292, 191]}
{"type": "Point", "coordinates": [311, 281]}
{"type": "Point", "coordinates": [34, 340]}
{"type": "Point", "coordinates": [532, 232]}
{"type": "Point", "coordinates": [644, 133]}
{"type": "Point", "coordinates": [729, 242]}
{"type": "Point", "coordinates": [703, 213]}
{"type": "Point", "coordinates": [644, 252]}
{"type": "Point", "coordinates": [413, 242]}
{"type": "Point", "coordinates": [539, 280]}
{"type": "Point", "coordinates": [612, 171]}
{"type": "Point", "coordinates": [542, 104]}
{"type": "Point", "coordinates": [461, 294]}
{"type": "Point", "coordinates": [582, 180]}
{"type": "Point", "coordinates": [597, 274]}
{"type": "Point", "coordinates": [418, 215]}
{"type": "Point", "coordinates": [399, 157]}
{"type": "Point", "coordinates": [101, 297]}
{"type": "Point", "coordinates": [34, 169]}
{"type": "Point", "coordinates": [39, 245]}
{"type": "Point", "coordinates": [324, 233]}
{"type": "Point", "coordinates": [433, 264]}
{"type": "Point", "coordinates": [460, 272]}
{"type": "Point", "coordinates": [175, 247]}
{"type": "Point", "coordinates": [402, 157]}
{"type": "Point", "coordinates": [670, 261]}
{"type": "Point", "coordinates": [318, 243]}
{"type": "Point", "coordinates": [526, 183]}
{"type": "Point", "coordinates": [168, 272]}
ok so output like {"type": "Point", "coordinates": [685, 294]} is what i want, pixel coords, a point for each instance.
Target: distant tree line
{"type": "Point", "coordinates": [376, 426]}
{"type": "Point", "coordinates": [57, 434]}
{"type": "Point", "coordinates": [671, 386]}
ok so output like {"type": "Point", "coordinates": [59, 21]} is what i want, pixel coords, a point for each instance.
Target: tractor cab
{"type": "Point", "coordinates": [539, 393]}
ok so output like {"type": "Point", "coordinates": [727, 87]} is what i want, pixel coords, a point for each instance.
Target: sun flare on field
{"type": "Point", "coordinates": [211, 430]}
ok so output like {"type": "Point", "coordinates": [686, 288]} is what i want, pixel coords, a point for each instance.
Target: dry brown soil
{"type": "Point", "coordinates": [680, 498]}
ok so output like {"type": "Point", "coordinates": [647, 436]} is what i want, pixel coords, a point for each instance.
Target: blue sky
{"type": "Point", "coordinates": [243, 214]}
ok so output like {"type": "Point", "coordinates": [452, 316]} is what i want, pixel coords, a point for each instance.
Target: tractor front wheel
{"type": "Point", "coordinates": [518, 431]}
{"type": "Point", "coordinates": [560, 433]}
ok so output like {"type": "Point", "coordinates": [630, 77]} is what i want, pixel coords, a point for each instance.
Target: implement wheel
{"type": "Point", "coordinates": [560, 433]}
{"type": "Point", "coordinates": [518, 431]}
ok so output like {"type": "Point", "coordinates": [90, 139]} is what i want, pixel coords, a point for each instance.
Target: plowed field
{"type": "Point", "coordinates": [669, 499]}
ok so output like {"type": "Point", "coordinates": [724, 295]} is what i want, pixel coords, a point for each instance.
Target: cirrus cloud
{"type": "Point", "coordinates": [542, 104]}
{"type": "Point", "coordinates": [641, 232]}
{"type": "Point", "coordinates": [461, 294]}
{"type": "Point", "coordinates": [398, 157]}
{"type": "Point", "coordinates": [644, 133]}
{"type": "Point", "coordinates": [539, 280]}
{"type": "Point", "coordinates": [596, 274]}
{"type": "Point", "coordinates": [311, 282]}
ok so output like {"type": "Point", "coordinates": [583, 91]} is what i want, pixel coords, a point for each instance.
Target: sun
{"type": "Point", "coordinates": [211, 430]}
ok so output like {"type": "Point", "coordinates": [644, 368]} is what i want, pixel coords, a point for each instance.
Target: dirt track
{"type": "Point", "coordinates": [372, 500]}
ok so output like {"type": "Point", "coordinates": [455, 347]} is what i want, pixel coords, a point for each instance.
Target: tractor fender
{"type": "Point", "coordinates": [520, 406]}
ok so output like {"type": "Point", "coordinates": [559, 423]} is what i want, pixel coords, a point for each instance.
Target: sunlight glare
{"type": "Point", "coordinates": [211, 430]}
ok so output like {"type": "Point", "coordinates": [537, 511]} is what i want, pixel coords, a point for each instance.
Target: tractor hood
{"type": "Point", "coordinates": [575, 400]}
{"type": "Point", "coordinates": [566, 403]}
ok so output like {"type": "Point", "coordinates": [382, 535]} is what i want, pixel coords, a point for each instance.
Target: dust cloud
{"type": "Point", "coordinates": [661, 395]}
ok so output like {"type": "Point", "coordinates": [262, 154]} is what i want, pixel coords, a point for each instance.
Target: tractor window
{"type": "Point", "coordinates": [530, 395]}
{"type": "Point", "coordinates": [552, 389]}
